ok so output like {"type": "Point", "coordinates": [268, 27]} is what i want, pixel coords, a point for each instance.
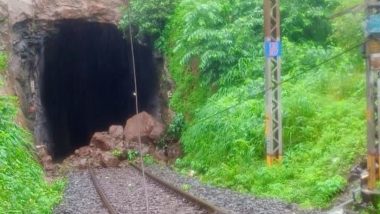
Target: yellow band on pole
{"type": "Point", "coordinates": [371, 165]}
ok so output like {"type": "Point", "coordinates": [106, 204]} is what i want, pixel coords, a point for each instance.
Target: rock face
{"type": "Point", "coordinates": [4, 33]}
{"type": "Point", "coordinates": [95, 10]}
{"type": "Point", "coordinates": [24, 25]}
{"type": "Point", "coordinates": [148, 127]}
{"type": "Point", "coordinates": [13, 12]}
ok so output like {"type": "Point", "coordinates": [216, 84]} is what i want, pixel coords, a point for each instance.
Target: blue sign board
{"type": "Point", "coordinates": [373, 24]}
{"type": "Point", "coordinates": [273, 49]}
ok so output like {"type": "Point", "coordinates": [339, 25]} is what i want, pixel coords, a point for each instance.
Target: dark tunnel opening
{"type": "Point", "coordinates": [87, 82]}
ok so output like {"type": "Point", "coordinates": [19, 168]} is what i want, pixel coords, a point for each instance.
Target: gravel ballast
{"type": "Point", "coordinates": [80, 196]}
{"type": "Point", "coordinates": [123, 187]}
{"type": "Point", "coordinates": [230, 200]}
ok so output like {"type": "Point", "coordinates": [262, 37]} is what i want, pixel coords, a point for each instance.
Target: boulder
{"type": "Point", "coordinates": [116, 132]}
{"type": "Point", "coordinates": [83, 151]}
{"type": "Point", "coordinates": [103, 141]}
{"type": "Point", "coordinates": [47, 163]}
{"type": "Point", "coordinates": [144, 124]}
{"type": "Point", "coordinates": [45, 159]}
{"type": "Point", "coordinates": [109, 160]}
{"type": "Point", "coordinates": [174, 151]}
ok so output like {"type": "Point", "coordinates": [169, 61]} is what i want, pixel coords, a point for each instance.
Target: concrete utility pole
{"type": "Point", "coordinates": [272, 47]}
{"type": "Point", "coordinates": [372, 51]}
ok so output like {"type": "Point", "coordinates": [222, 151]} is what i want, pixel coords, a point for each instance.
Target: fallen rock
{"type": "Point", "coordinates": [174, 151]}
{"type": "Point", "coordinates": [83, 151]}
{"type": "Point", "coordinates": [45, 159]}
{"type": "Point", "coordinates": [145, 125]}
{"type": "Point", "coordinates": [103, 141]}
{"type": "Point", "coordinates": [116, 132]}
{"type": "Point", "coordinates": [160, 156]}
{"type": "Point", "coordinates": [82, 163]}
{"type": "Point", "coordinates": [47, 163]}
{"type": "Point", "coordinates": [108, 160]}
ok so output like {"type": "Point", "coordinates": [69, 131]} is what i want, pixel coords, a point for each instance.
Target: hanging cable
{"type": "Point", "coordinates": [137, 110]}
{"type": "Point", "coordinates": [311, 68]}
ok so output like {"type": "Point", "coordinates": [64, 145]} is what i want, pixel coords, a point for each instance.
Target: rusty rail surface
{"type": "Point", "coordinates": [100, 192]}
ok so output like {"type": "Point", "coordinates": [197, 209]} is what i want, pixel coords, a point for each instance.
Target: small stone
{"type": "Point", "coordinates": [82, 164]}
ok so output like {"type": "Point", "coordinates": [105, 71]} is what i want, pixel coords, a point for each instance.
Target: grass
{"type": "Point", "coordinates": [22, 185]}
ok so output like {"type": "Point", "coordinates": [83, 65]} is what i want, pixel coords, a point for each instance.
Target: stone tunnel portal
{"type": "Point", "coordinates": [86, 83]}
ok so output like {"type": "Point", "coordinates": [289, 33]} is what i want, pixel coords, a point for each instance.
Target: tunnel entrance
{"type": "Point", "coordinates": [86, 82]}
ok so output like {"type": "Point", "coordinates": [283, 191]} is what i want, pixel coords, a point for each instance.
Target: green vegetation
{"type": "Point", "coordinates": [148, 18]}
{"type": "Point", "coordinates": [132, 155]}
{"type": "Point", "coordinates": [22, 185]}
{"type": "Point", "coordinates": [185, 187]}
{"type": "Point", "coordinates": [214, 53]}
{"type": "Point", "coordinates": [148, 160]}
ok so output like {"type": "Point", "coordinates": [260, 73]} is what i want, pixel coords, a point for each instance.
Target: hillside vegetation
{"type": "Point", "coordinates": [22, 186]}
{"type": "Point", "coordinates": [214, 53]}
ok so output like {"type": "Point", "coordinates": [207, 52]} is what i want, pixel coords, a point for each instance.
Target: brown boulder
{"type": "Point", "coordinates": [47, 163]}
{"type": "Point", "coordinates": [108, 160]}
{"type": "Point", "coordinates": [143, 123]}
{"type": "Point", "coordinates": [116, 132]}
{"type": "Point", "coordinates": [174, 151]}
{"type": "Point", "coordinates": [45, 159]}
{"type": "Point", "coordinates": [82, 163]}
{"type": "Point", "coordinates": [102, 140]}
{"type": "Point", "coordinates": [83, 151]}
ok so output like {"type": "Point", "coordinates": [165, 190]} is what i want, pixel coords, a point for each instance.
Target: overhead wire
{"type": "Point", "coordinates": [137, 110]}
{"type": "Point", "coordinates": [311, 68]}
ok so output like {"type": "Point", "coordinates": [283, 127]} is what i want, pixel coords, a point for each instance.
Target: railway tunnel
{"type": "Point", "coordinates": [86, 82]}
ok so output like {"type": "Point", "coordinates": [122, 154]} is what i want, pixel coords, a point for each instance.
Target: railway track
{"type": "Point", "coordinates": [121, 191]}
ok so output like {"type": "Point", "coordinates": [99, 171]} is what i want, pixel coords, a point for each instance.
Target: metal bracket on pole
{"type": "Point", "coordinates": [272, 47]}
{"type": "Point", "coordinates": [372, 51]}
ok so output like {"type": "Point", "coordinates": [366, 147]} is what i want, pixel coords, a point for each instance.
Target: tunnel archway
{"type": "Point", "coordinates": [86, 82]}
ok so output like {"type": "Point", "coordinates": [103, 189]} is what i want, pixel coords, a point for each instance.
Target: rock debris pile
{"type": "Point", "coordinates": [109, 148]}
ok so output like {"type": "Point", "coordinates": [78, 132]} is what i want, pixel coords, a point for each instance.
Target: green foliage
{"type": "Point", "coordinates": [228, 149]}
{"type": "Point", "coordinates": [307, 20]}
{"type": "Point", "coordinates": [176, 126]}
{"type": "Point", "coordinates": [148, 160]}
{"type": "Point", "coordinates": [22, 185]}
{"type": "Point", "coordinates": [214, 35]}
{"type": "Point", "coordinates": [3, 66]}
{"type": "Point", "coordinates": [149, 16]}
{"type": "Point", "coordinates": [119, 154]}
{"type": "Point", "coordinates": [348, 28]}
{"type": "Point", "coordinates": [132, 155]}
{"type": "Point", "coordinates": [173, 131]}
{"type": "Point", "coordinates": [3, 61]}
{"type": "Point", "coordinates": [214, 53]}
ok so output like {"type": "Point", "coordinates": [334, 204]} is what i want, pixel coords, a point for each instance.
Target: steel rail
{"type": "Point", "coordinates": [202, 203]}
{"type": "Point", "coordinates": [100, 192]}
